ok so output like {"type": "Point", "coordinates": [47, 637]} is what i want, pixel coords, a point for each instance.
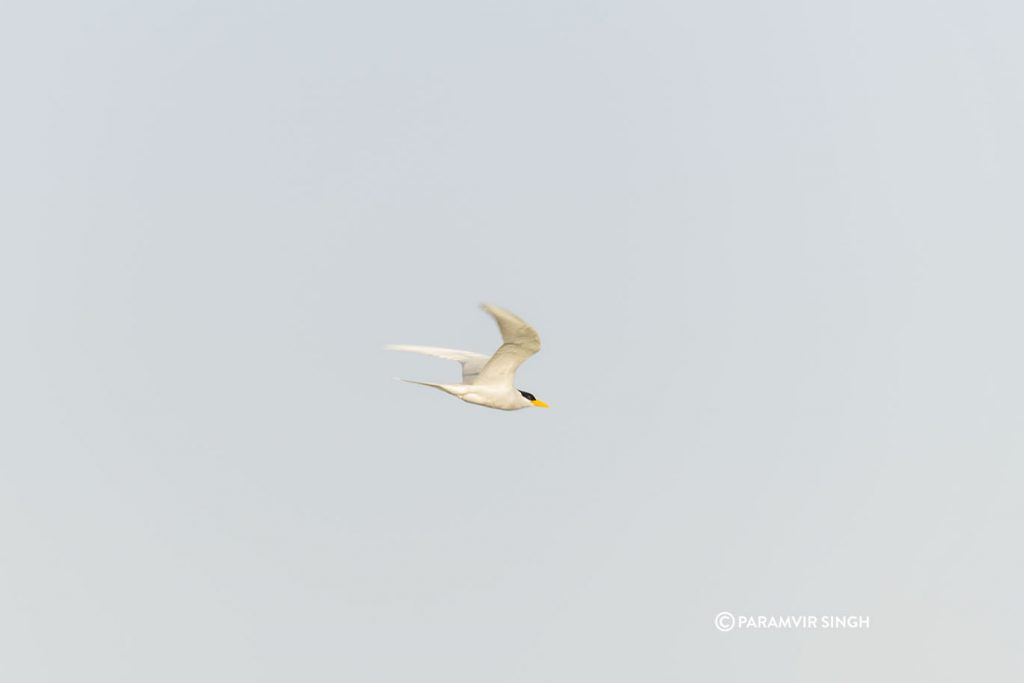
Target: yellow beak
{"type": "Point", "coordinates": [540, 404]}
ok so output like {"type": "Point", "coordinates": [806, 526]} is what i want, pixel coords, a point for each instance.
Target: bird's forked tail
{"type": "Point", "coordinates": [447, 388]}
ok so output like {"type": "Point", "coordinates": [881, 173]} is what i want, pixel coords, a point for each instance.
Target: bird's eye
{"type": "Point", "coordinates": [527, 395]}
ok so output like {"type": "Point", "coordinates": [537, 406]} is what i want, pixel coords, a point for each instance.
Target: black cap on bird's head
{"type": "Point", "coordinates": [533, 399]}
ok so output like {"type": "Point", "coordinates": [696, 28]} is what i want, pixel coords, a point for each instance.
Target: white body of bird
{"type": "Point", "coordinates": [502, 398]}
{"type": "Point", "coordinates": [488, 381]}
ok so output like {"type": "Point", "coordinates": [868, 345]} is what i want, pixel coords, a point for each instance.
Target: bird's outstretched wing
{"type": "Point", "coordinates": [472, 362]}
{"type": "Point", "coordinates": [521, 342]}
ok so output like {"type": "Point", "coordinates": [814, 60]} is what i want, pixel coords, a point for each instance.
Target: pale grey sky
{"type": "Point", "coordinates": [773, 251]}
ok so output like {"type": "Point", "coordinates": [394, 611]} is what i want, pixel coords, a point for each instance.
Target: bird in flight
{"type": "Point", "coordinates": [488, 381]}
